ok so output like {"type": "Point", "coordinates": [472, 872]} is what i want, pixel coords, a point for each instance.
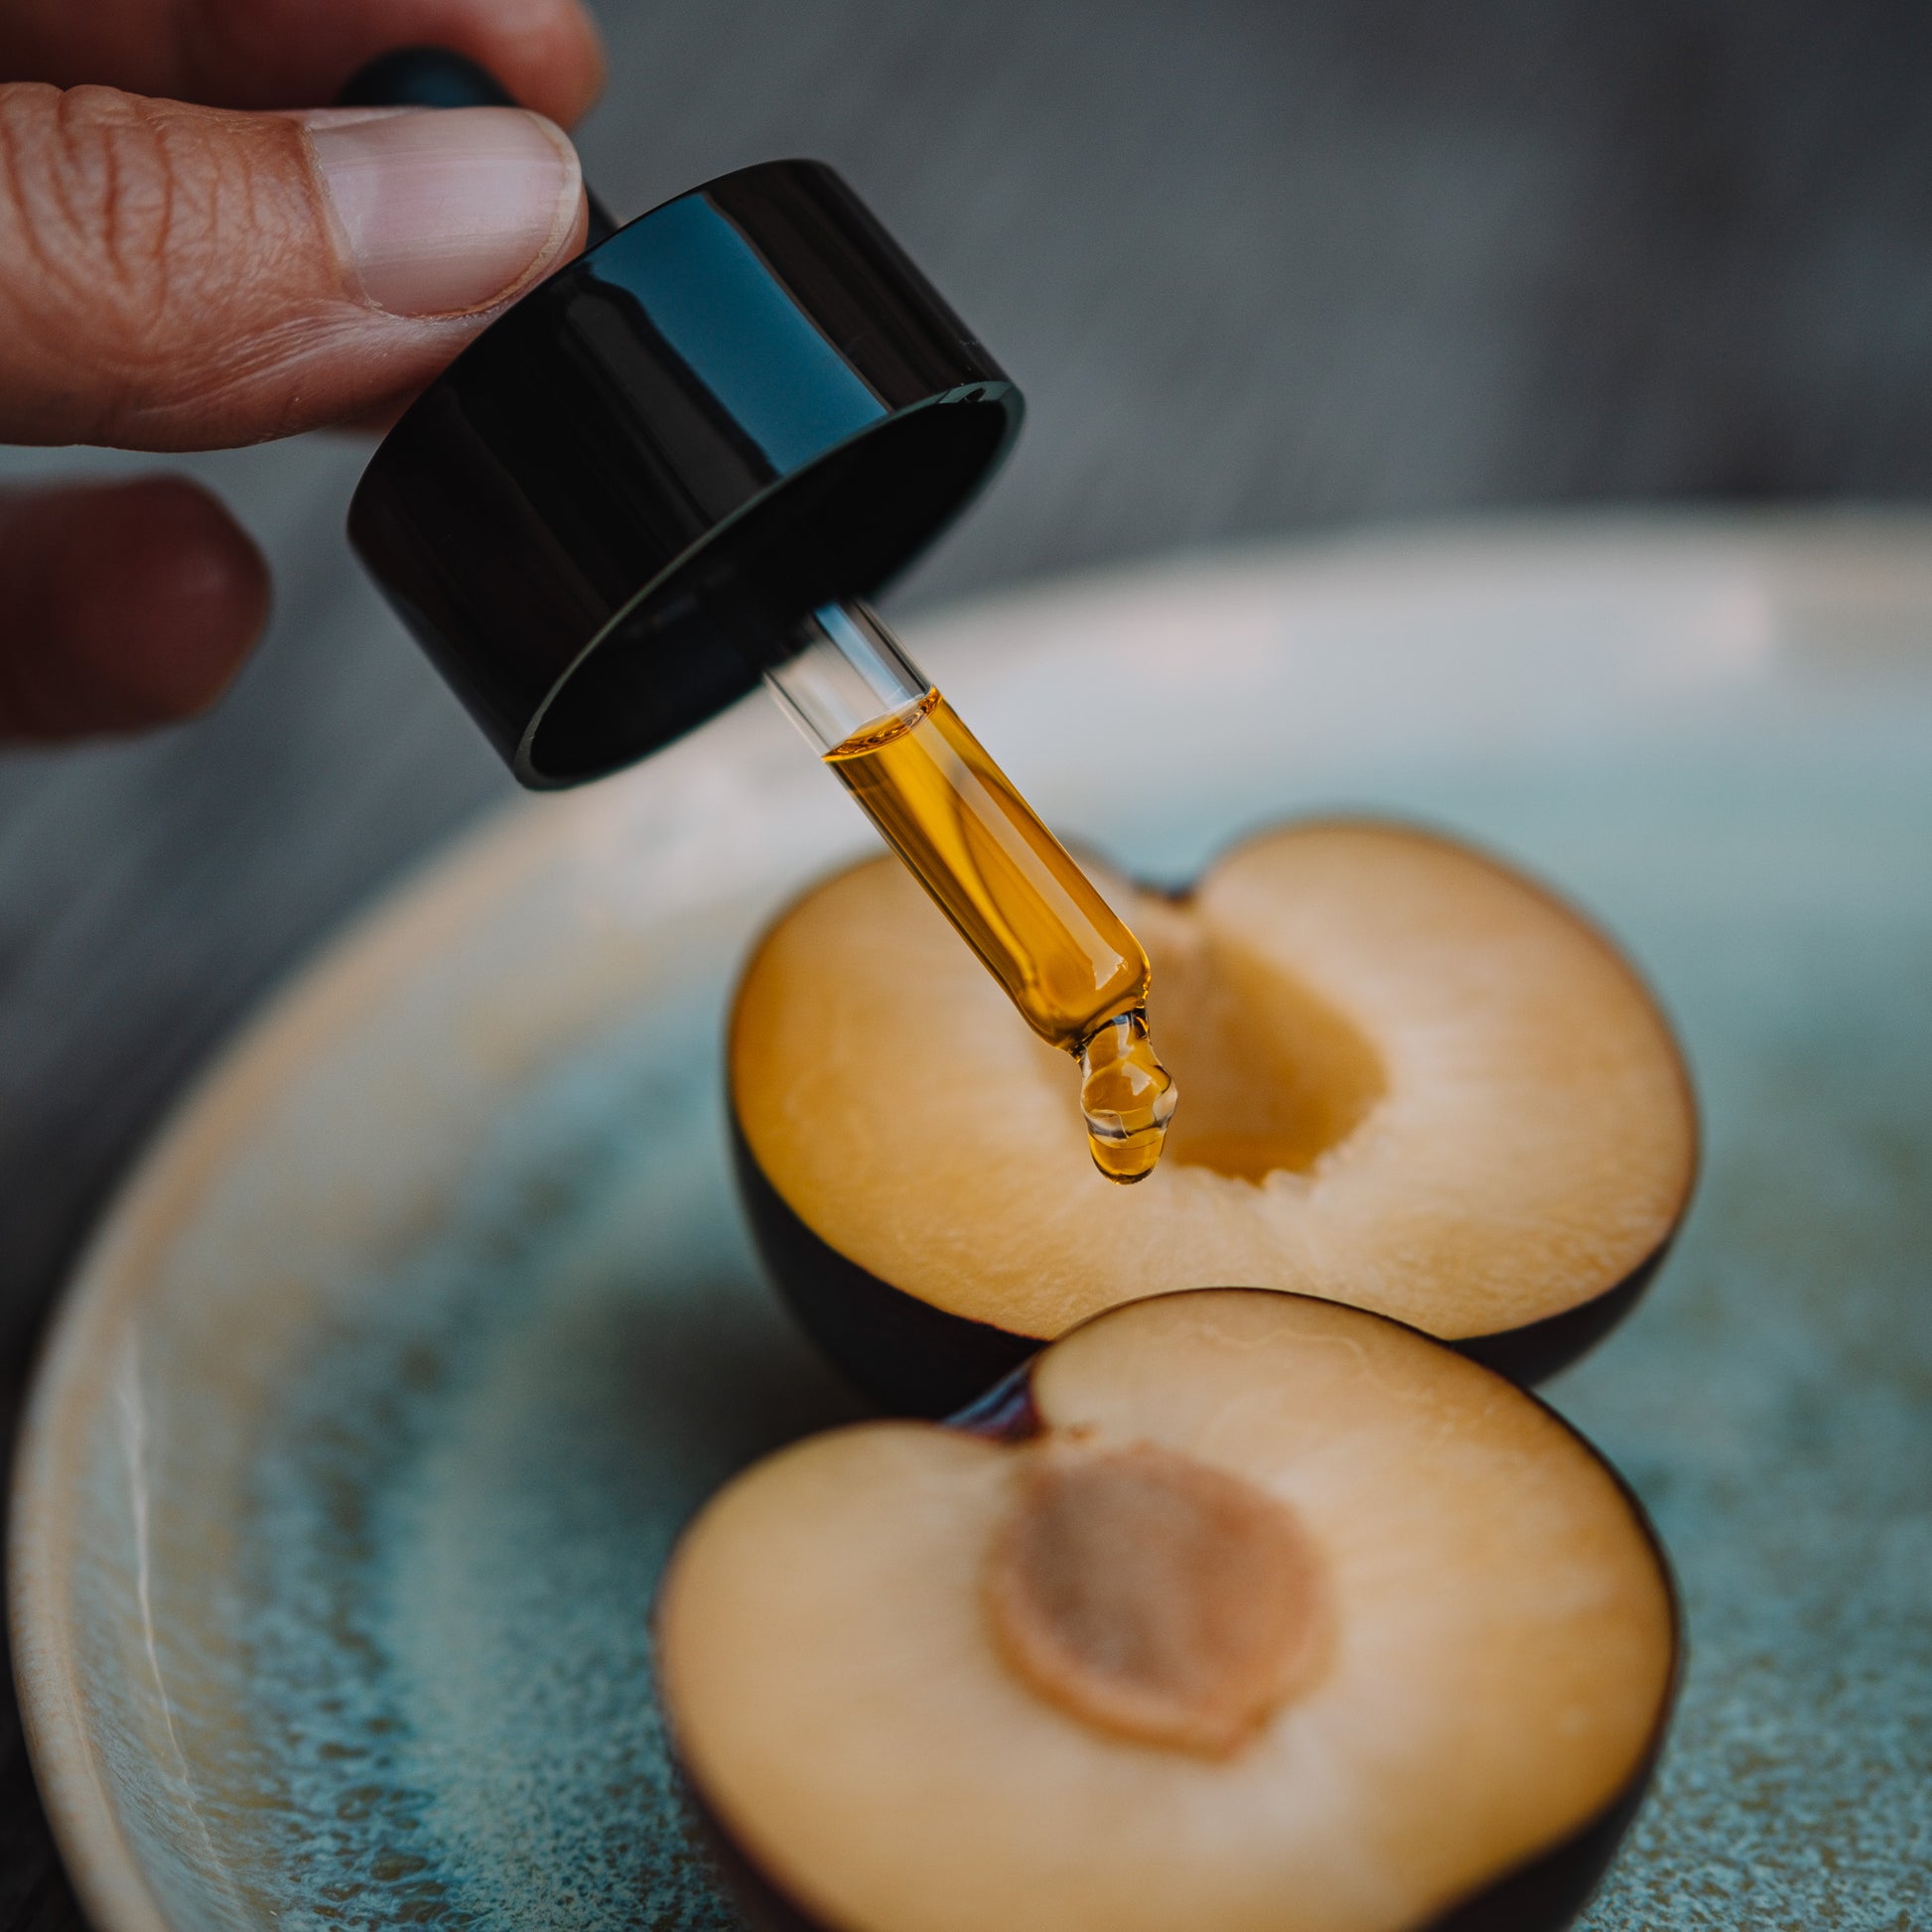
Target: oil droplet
{"type": "Point", "coordinates": [1126, 1096]}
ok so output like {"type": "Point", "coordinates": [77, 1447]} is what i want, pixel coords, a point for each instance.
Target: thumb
{"type": "Point", "coordinates": [176, 277]}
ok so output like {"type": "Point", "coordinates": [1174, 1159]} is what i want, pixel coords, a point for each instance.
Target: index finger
{"type": "Point", "coordinates": [294, 53]}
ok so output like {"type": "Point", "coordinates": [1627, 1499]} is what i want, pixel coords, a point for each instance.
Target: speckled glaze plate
{"type": "Point", "coordinates": [376, 1402]}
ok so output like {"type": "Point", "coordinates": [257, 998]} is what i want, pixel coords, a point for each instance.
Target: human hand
{"type": "Point", "coordinates": [176, 277]}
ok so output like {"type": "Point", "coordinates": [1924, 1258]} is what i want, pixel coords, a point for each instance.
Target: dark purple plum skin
{"type": "Point", "coordinates": [909, 1357]}
{"type": "Point", "coordinates": [914, 1359]}
{"type": "Point", "coordinates": [1538, 1349]}
{"type": "Point", "coordinates": [1544, 1895]}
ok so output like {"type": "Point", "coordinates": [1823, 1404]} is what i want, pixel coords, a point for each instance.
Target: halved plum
{"type": "Point", "coordinates": [1238, 1611]}
{"type": "Point", "coordinates": [1410, 1079]}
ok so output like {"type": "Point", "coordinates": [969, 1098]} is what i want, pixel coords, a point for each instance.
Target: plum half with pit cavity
{"type": "Point", "coordinates": [1410, 1079]}
{"type": "Point", "coordinates": [1237, 1611]}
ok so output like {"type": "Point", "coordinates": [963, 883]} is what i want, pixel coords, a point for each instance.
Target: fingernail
{"type": "Point", "coordinates": [445, 211]}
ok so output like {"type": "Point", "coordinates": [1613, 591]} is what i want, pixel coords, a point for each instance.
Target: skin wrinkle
{"type": "Point", "coordinates": [77, 236]}
{"type": "Point", "coordinates": [17, 235]}
{"type": "Point", "coordinates": [153, 381]}
{"type": "Point", "coordinates": [157, 240]}
{"type": "Point", "coordinates": [136, 209]}
{"type": "Point", "coordinates": [115, 219]}
{"type": "Point", "coordinates": [284, 353]}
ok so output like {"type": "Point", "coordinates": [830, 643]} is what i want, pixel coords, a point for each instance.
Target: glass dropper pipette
{"type": "Point", "coordinates": [1066, 959]}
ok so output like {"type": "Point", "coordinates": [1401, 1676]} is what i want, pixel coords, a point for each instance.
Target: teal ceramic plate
{"type": "Point", "coordinates": [374, 1406]}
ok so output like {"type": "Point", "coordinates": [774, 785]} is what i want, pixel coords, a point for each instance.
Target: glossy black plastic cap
{"type": "Point", "coordinates": [605, 517]}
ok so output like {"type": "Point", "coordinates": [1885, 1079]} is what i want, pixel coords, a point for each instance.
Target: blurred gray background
{"type": "Point", "coordinates": [1262, 268]}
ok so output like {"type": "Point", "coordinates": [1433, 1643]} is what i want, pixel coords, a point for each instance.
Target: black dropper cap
{"type": "Point", "coordinates": [610, 513]}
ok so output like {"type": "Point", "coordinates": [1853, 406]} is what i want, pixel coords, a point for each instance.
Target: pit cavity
{"type": "Point", "coordinates": [1152, 1597]}
{"type": "Point", "coordinates": [1275, 1076]}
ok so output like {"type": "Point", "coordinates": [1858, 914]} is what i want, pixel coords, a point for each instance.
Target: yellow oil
{"type": "Point", "coordinates": [1126, 1096]}
{"type": "Point", "coordinates": [1066, 959]}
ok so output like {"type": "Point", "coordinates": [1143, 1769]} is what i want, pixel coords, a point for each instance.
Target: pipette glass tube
{"type": "Point", "coordinates": [1066, 960]}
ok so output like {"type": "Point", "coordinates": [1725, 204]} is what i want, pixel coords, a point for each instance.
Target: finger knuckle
{"type": "Point", "coordinates": [126, 224]}
{"type": "Point", "coordinates": [90, 189]}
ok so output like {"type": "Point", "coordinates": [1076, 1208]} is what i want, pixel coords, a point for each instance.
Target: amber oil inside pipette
{"type": "Point", "coordinates": [1066, 960]}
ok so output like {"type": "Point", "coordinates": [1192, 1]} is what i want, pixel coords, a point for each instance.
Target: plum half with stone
{"type": "Point", "coordinates": [1237, 1611]}
{"type": "Point", "coordinates": [1411, 1080]}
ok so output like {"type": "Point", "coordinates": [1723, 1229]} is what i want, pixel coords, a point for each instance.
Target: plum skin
{"type": "Point", "coordinates": [1545, 1893]}
{"type": "Point", "coordinates": [914, 1359]}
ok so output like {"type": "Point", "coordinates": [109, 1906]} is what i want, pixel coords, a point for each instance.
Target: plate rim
{"type": "Point", "coordinates": [351, 965]}
{"type": "Point", "coordinates": [343, 976]}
